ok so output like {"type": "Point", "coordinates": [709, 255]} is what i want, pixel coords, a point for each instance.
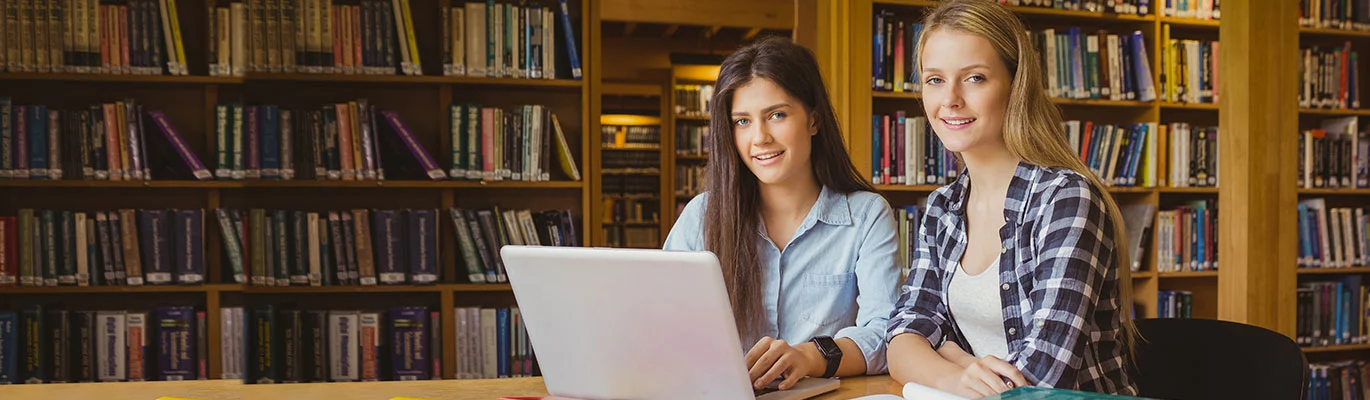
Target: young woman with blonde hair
{"type": "Point", "coordinates": [1020, 275]}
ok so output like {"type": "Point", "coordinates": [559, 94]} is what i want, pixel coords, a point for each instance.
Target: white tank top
{"type": "Point", "coordinates": [975, 306]}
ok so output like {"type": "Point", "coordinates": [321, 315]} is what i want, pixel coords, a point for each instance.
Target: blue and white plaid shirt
{"type": "Point", "coordinates": [1058, 279]}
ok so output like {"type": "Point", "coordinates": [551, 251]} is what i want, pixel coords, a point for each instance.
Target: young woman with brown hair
{"type": "Point", "coordinates": [806, 246]}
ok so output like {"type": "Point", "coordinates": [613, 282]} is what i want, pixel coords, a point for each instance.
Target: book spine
{"type": "Point", "coordinates": [287, 130]}
{"type": "Point", "coordinates": [187, 155]}
{"type": "Point", "coordinates": [9, 251]}
{"type": "Point", "coordinates": [66, 249]}
{"type": "Point", "coordinates": [263, 348]}
{"type": "Point", "coordinates": [416, 150]}
{"type": "Point", "coordinates": [316, 247]}
{"type": "Point", "coordinates": [112, 353]}
{"type": "Point", "coordinates": [176, 343]}
{"type": "Point", "coordinates": [291, 367]}
{"type": "Point", "coordinates": [50, 247]}
{"type": "Point", "coordinates": [188, 230]}
{"type": "Point", "coordinates": [365, 256]}
{"type": "Point", "coordinates": [299, 264]}
{"type": "Point", "coordinates": [343, 346]}
{"type": "Point", "coordinates": [137, 339]}
{"type": "Point", "coordinates": [270, 142]}
{"type": "Point", "coordinates": [133, 267]}
{"type": "Point", "coordinates": [423, 246]}
{"type": "Point", "coordinates": [53, 130]}
{"type": "Point", "coordinates": [280, 248]}
{"type": "Point", "coordinates": [434, 350]}
{"type": "Point", "coordinates": [369, 338]}
{"type": "Point", "coordinates": [79, 249]}
{"type": "Point", "coordinates": [202, 345]}
{"type": "Point", "coordinates": [569, 30]}
{"type": "Point", "coordinates": [409, 343]}
{"type": "Point", "coordinates": [232, 248]}
{"type": "Point", "coordinates": [35, 348]}
{"type": "Point", "coordinates": [9, 347]}
{"type": "Point", "coordinates": [59, 336]}
{"type": "Point", "coordinates": [316, 350]}
{"type": "Point", "coordinates": [155, 238]}
{"type": "Point", "coordinates": [84, 330]}
{"type": "Point", "coordinates": [387, 241]}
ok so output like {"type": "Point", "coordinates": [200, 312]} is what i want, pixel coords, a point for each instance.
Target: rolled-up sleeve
{"type": "Point", "coordinates": [921, 310]}
{"type": "Point", "coordinates": [877, 277]}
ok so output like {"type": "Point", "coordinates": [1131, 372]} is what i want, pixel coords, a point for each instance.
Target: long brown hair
{"type": "Point", "coordinates": [1032, 123]}
{"type": "Point", "coordinates": [732, 213]}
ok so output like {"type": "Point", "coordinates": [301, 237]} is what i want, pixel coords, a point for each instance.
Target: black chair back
{"type": "Point", "coordinates": [1211, 359]}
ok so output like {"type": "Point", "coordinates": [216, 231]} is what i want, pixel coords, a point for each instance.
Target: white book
{"type": "Point", "coordinates": [112, 357]}
{"type": "Point", "coordinates": [342, 346]}
{"type": "Point", "coordinates": [227, 324]}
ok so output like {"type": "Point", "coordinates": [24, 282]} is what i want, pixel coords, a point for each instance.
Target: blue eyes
{"type": "Point", "coordinates": [938, 81]}
{"type": "Point", "coordinates": [745, 122]}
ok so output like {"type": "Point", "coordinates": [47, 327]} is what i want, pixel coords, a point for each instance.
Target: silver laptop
{"type": "Point", "coordinates": [634, 324]}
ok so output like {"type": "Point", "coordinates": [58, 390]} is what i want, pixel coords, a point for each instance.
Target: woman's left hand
{"type": "Point", "coordinates": [770, 358]}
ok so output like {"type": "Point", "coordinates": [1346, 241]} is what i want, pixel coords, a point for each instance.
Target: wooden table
{"type": "Point", "coordinates": [488, 389]}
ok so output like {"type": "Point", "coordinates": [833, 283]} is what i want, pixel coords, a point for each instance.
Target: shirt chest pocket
{"type": "Point", "coordinates": [828, 298]}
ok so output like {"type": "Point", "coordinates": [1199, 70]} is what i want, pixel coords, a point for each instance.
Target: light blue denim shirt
{"type": "Point", "coordinates": [838, 276]}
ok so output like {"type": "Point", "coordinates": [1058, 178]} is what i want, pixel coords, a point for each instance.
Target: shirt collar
{"type": "Point", "coordinates": [832, 207]}
{"type": "Point", "coordinates": [1015, 204]}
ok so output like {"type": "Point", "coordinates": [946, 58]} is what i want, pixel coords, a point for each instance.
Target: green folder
{"type": "Point", "coordinates": [1041, 393]}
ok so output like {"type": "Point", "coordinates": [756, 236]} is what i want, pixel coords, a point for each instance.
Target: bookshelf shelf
{"type": "Point", "coordinates": [1189, 106]}
{"type": "Point", "coordinates": [1329, 32]}
{"type": "Point", "coordinates": [1101, 103]}
{"type": "Point", "coordinates": [1041, 11]}
{"type": "Point", "coordinates": [1189, 190]}
{"type": "Point", "coordinates": [343, 289]}
{"type": "Point", "coordinates": [119, 184]}
{"type": "Point", "coordinates": [1187, 275]}
{"type": "Point", "coordinates": [415, 80]}
{"type": "Point", "coordinates": [896, 95]}
{"type": "Point", "coordinates": [113, 78]}
{"type": "Point", "coordinates": [474, 287]}
{"type": "Point", "coordinates": [1334, 271]}
{"type": "Point", "coordinates": [1333, 112]}
{"type": "Point", "coordinates": [1334, 192]}
{"type": "Point", "coordinates": [637, 148]}
{"type": "Point", "coordinates": [1333, 349]}
{"type": "Point", "coordinates": [1143, 275]}
{"type": "Point", "coordinates": [1130, 189]}
{"type": "Point", "coordinates": [118, 289]}
{"type": "Point", "coordinates": [1191, 22]}
{"type": "Point", "coordinates": [634, 224]}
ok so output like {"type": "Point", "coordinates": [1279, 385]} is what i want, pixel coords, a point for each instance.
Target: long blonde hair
{"type": "Point", "coordinates": [1032, 123]}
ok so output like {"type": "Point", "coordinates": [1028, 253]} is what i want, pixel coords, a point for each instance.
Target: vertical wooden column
{"type": "Point", "coordinates": [823, 27]}
{"type": "Point", "coordinates": [1259, 121]}
{"type": "Point", "coordinates": [592, 108]}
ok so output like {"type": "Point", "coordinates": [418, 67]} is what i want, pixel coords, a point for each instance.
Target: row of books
{"type": "Point", "coordinates": [893, 47]}
{"type": "Point", "coordinates": [906, 151]}
{"type": "Point", "coordinates": [111, 141]}
{"type": "Point", "coordinates": [1336, 14]}
{"type": "Point", "coordinates": [493, 343]}
{"type": "Point", "coordinates": [630, 185]}
{"type": "Point", "coordinates": [1334, 155]}
{"type": "Point", "coordinates": [40, 345]}
{"type": "Point", "coordinates": [630, 209]}
{"type": "Point", "coordinates": [274, 344]}
{"type": "Point", "coordinates": [622, 162]}
{"type": "Point", "coordinates": [1339, 380]}
{"type": "Point", "coordinates": [1332, 312]}
{"type": "Point", "coordinates": [689, 180]}
{"type": "Point", "coordinates": [507, 40]}
{"type": "Point", "coordinates": [1329, 77]}
{"type": "Point", "coordinates": [345, 141]}
{"type": "Point", "coordinates": [633, 237]}
{"type": "Point", "coordinates": [693, 100]}
{"type": "Point", "coordinates": [1187, 237]}
{"type": "Point", "coordinates": [481, 233]}
{"type": "Point", "coordinates": [1097, 65]}
{"type": "Point", "coordinates": [1189, 70]}
{"type": "Point", "coordinates": [1174, 304]}
{"type": "Point", "coordinates": [140, 37]}
{"type": "Point", "coordinates": [373, 37]}
{"type": "Point", "coordinates": [910, 220]}
{"type": "Point", "coordinates": [347, 247]}
{"type": "Point", "coordinates": [630, 137]}
{"type": "Point", "coordinates": [102, 248]}
{"type": "Point", "coordinates": [691, 140]}
{"type": "Point", "coordinates": [1198, 9]}
{"type": "Point", "coordinates": [1133, 7]}
{"type": "Point", "coordinates": [518, 143]}
{"type": "Point", "coordinates": [1332, 237]}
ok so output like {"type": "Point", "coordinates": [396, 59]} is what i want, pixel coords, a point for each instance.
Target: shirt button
{"type": "Point", "coordinates": [1004, 251]}
{"type": "Point", "coordinates": [1012, 331]}
{"type": "Point", "coordinates": [1040, 324]}
{"type": "Point", "coordinates": [1005, 287]}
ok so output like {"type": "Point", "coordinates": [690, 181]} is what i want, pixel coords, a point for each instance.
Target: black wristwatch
{"type": "Point", "coordinates": [833, 354]}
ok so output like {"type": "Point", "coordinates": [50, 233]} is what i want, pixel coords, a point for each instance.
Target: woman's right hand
{"type": "Point", "coordinates": [984, 377]}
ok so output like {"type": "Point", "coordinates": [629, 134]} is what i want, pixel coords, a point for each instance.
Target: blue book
{"type": "Point", "coordinates": [569, 31]}
{"type": "Point", "coordinates": [409, 343]}
{"type": "Point", "coordinates": [502, 342]}
{"type": "Point", "coordinates": [38, 142]}
{"type": "Point", "coordinates": [386, 241]}
{"type": "Point", "coordinates": [423, 246]}
{"type": "Point", "coordinates": [187, 231]}
{"type": "Point", "coordinates": [9, 347]}
{"type": "Point", "coordinates": [270, 142]}
{"type": "Point", "coordinates": [876, 149]}
{"type": "Point", "coordinates": [176, 344]}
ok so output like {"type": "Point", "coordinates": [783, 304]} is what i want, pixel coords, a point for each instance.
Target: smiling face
{"type": "Point", "coordinates": [965, 91]}
{"type": "Point", "coordinates": [772, 131]}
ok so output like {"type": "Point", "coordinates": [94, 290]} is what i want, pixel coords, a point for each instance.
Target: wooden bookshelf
{"type": "Point", "coordinates": [423, 103]}
{"type": "Point", "coordinates": [684, 75]}
{"type": "Point", "coordinates": [1336, 349]}
{"type": "Point", "coordinates": [860, 101]}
